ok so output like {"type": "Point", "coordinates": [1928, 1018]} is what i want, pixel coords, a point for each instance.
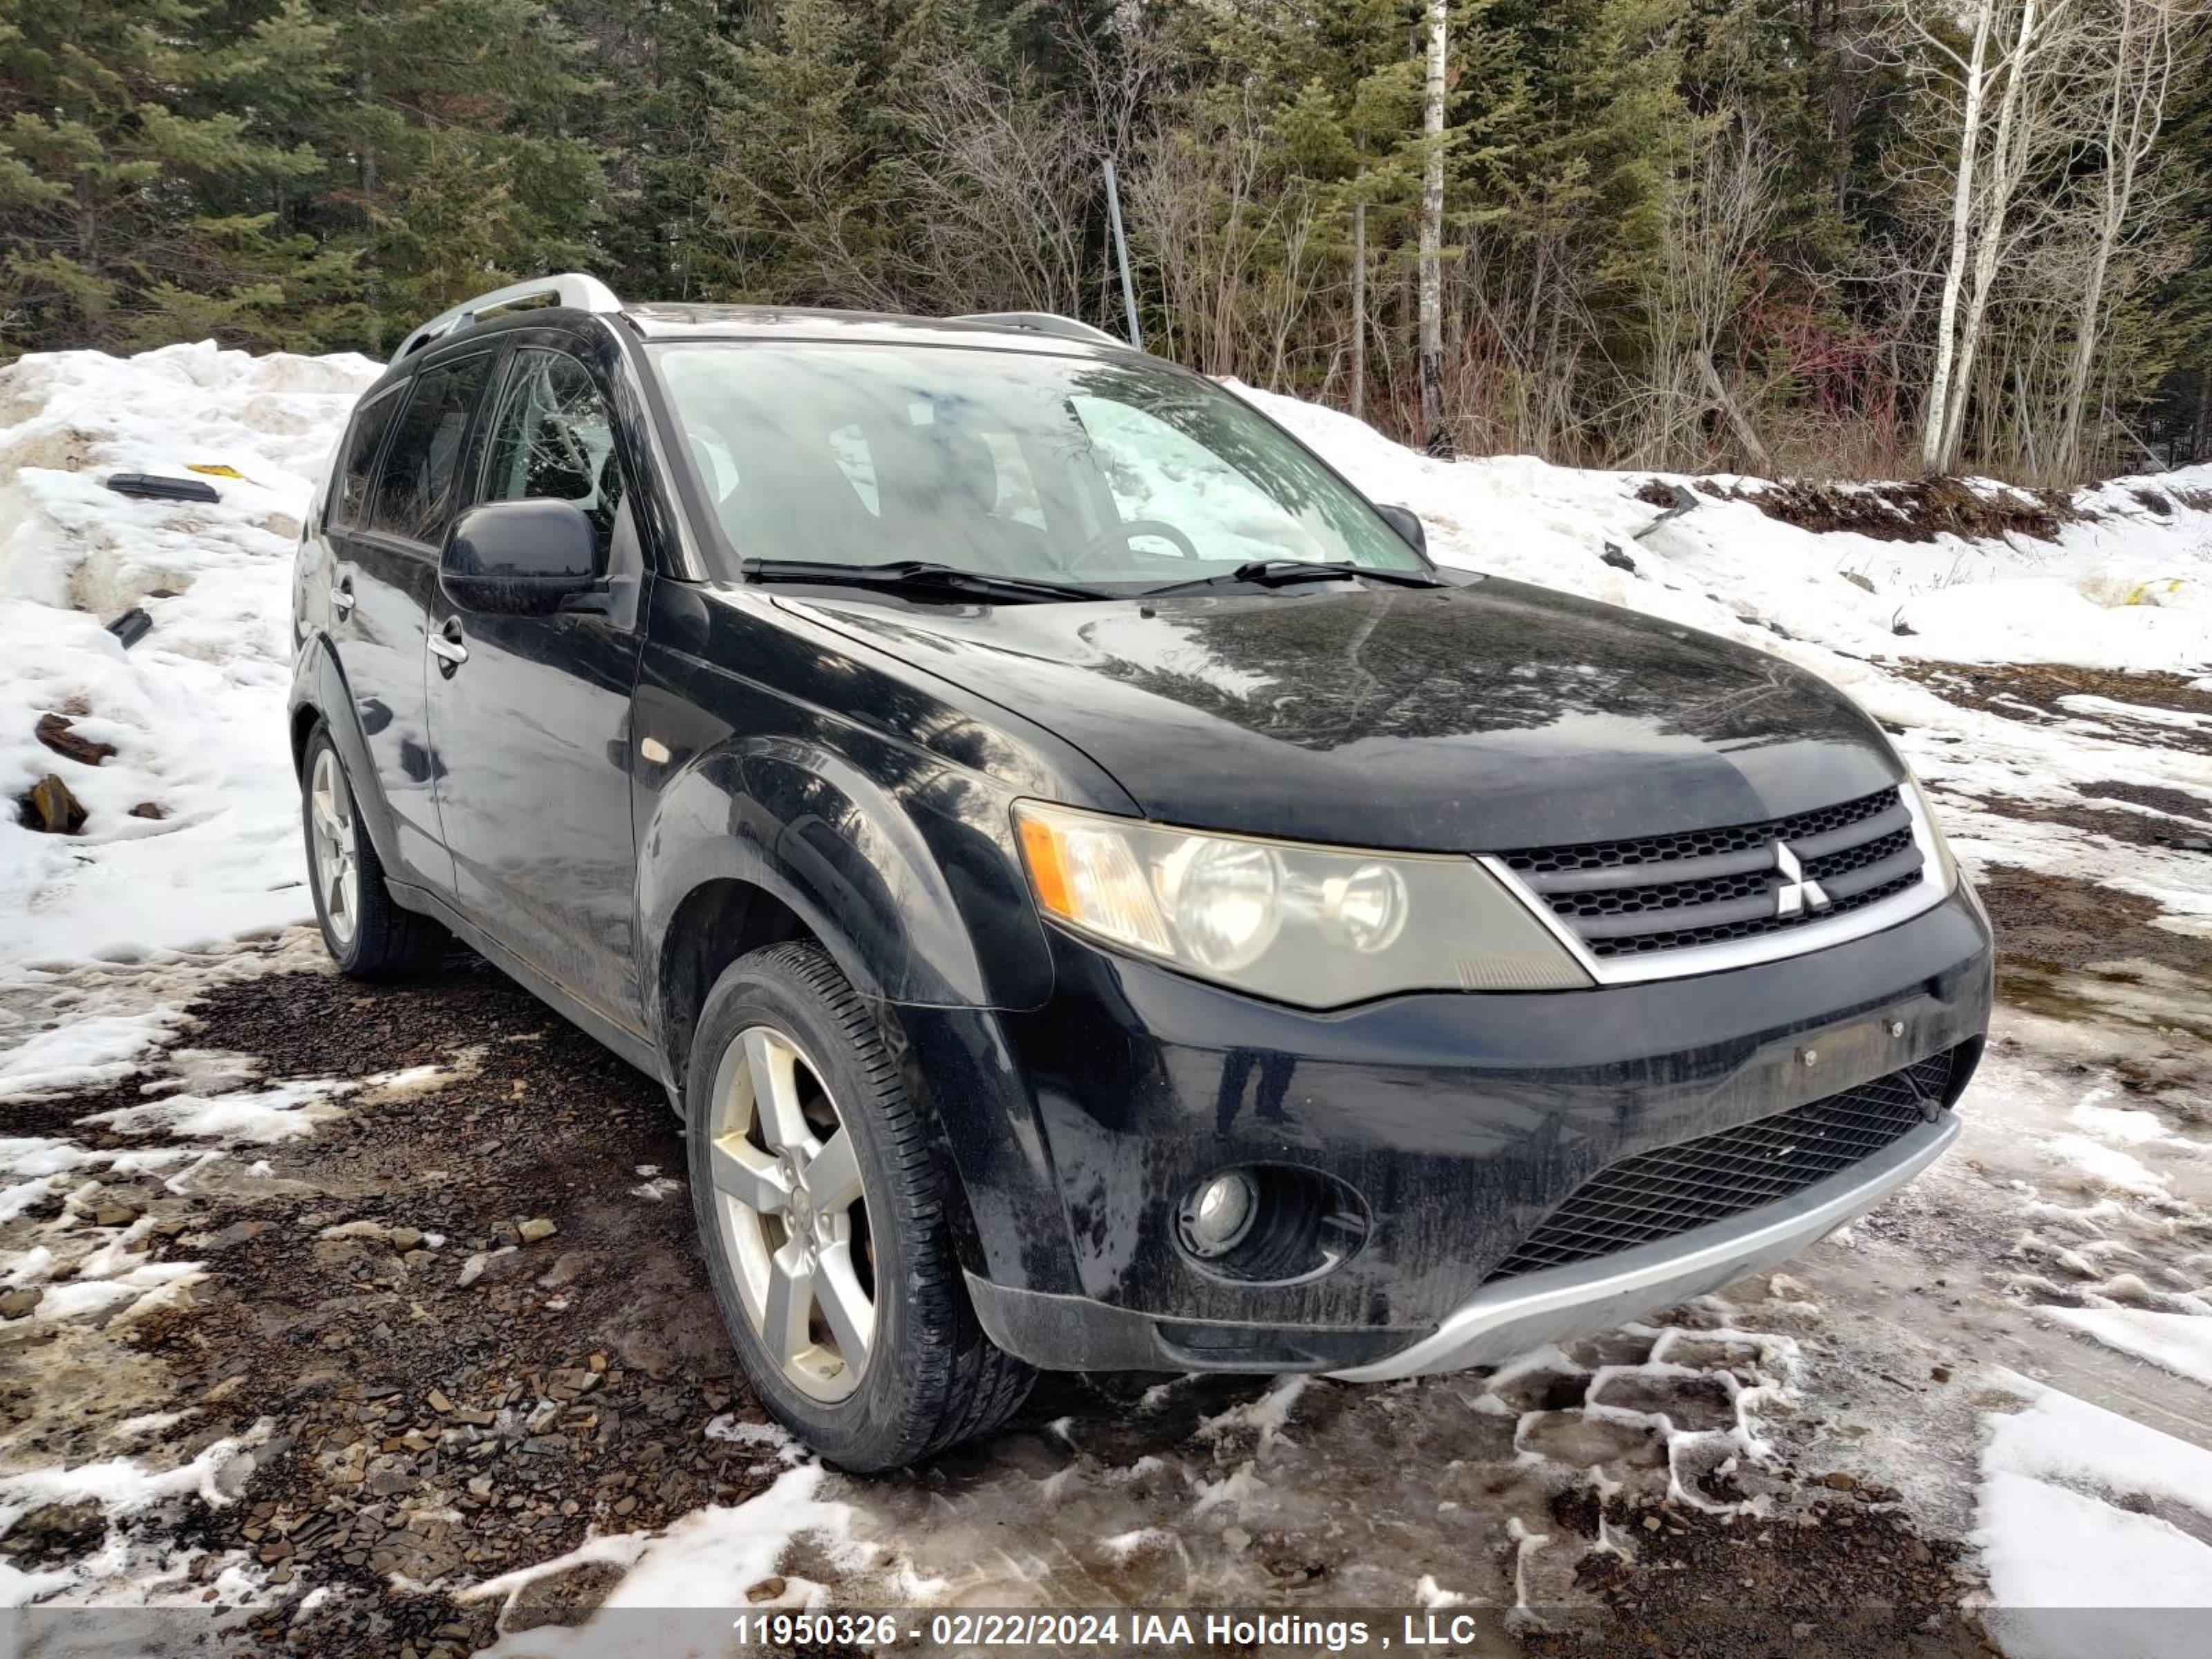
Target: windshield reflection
{"type": "Point", "coordinates": [1113, 475]}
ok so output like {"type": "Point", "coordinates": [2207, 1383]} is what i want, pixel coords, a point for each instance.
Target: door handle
{"type": "Point", "coordinates": [342, 597]}
{"type": "Point", "coordinates": [446, 645]}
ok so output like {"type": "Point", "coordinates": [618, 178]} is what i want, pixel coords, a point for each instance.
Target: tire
{"type": "Point", "coordinates": [367, 935]}
{"type": "Point", "coordinates": [873, 1224]}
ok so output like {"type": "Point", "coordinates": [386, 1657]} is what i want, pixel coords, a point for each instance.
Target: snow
{"type": "Point", "coordinates": [706, 1562]}
{"type": "Point", "coordinates": [2181, 1342]}
{"type": "Point", "coordinates": [279, 1113]}
{"type": "Point", "coordinates": [2068, 1512]}
{"type": "Point", "coordinates": [195, 710]}
{"type": "Point", "coordinates": [2131, 589]}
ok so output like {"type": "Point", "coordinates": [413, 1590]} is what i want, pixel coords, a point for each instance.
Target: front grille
{"type": "Point", "coordinates": [1626, 898]}
{"type": "Point", "coordinates": [1668, 1191]}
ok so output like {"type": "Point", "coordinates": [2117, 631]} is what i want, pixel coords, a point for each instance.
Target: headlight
{"type": "Point", "coordinates": [1319, 927]}
{"type": "Point", "coordinates": [1947, 868]}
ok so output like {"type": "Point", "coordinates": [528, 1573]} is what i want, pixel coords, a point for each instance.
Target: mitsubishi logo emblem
{"type": "Point", "coordinates": [1797, 895]}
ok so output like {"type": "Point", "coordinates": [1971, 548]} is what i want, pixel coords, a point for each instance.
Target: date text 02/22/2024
{"type": "Point", "coordinates": [1369, 1631]}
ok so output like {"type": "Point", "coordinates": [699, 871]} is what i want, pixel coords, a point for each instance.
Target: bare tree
{"type": "Point", "coordinates": [1229, 237]}
{"type": "Point", "coordinates": [2014, 58]}
{"type": "Point", "coordinates": [1720, 205]}
{"type": "Point", "coordinates": [1432, 346]}
{"type": "Point", "coordinates": [1007, 184]}
{"type": "Point", "coordinates": [2133, 51]}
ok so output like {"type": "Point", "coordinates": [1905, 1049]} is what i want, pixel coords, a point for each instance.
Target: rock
{"type": "Point", "coordinates": [151, 809]}
{"type": "Point", "coordinates": [50, 806]}
{"type": "Point", "coordinates": [1940, 1373]}
{"type": "Point", "coordinates": [1618, 559]}
{"type": "Point", "coordinates": [65, 1529]}
{"type": "Point", "coordinates": [1857, 580]}
{"type": "Point", "coordinates": [1841, 1482]}
{"type": "Point", "coordinates": [535, 1228]}
{"type": "Point", "coordinates": [375, 1230]}
{"type": "Point", "coordinates": [14, 1304]}
{"type": "Point", "coordinates": [472, 1269]}
{"type": "Point", "coordinates": [439, 1402]}
{"type": "Point", "coordinates": [54, 731]}
{"type": "Point", "coordinates": [767, 1590]}
{"type": "Point", "coordinates": [114, 1215]}
{"type": "Point", "coordinates": [405, 1238]}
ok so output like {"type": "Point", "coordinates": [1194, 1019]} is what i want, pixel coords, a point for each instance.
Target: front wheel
{"type": "Point", "coordinates": [826, 1210]}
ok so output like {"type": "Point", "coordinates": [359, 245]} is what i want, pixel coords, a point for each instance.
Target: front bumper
{"type": "Point", "coordinates": [1461, 1120]}
{"type": "Point", "coordinates": [1525, 1312]}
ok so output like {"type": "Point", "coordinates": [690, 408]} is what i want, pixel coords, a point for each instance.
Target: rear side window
{"type": "Point", "coordinates": [368, 426]}
{"type": "Point", "coordinates": [416, 492]}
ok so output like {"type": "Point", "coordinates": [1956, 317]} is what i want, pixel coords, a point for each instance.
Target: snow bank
{"type": "Point", "coordinates": [2130, 588]}
{"type": "Point", "coordinates": [195, 710]}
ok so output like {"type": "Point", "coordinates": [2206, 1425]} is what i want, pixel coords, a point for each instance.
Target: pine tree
{"type": "Point", "coordinates": [134, 196]}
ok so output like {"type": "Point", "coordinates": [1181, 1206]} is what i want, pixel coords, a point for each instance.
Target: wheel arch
{"type": "Point", "coordinates": [769, 838]}
{"type": "Point", "coordinates": [319, 692]}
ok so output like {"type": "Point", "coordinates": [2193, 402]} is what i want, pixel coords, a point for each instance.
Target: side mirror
{"type": "Point", "coordinates": [1407, 524]}
{"type": "Point", "coordinates": [520, 558]}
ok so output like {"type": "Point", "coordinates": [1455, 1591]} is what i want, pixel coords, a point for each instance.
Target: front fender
{"type": "Point", "coordinates": [915, 886]}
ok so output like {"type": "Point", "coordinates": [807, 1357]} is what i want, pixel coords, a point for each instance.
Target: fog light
{"type": "Point", "coordinates": [1220, 1213]}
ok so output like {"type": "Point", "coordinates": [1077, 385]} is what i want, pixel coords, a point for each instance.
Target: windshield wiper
{"type": "Point", "coordinates": [916, 576]}
{"type": "Point", "coordinates": [1282, 572]}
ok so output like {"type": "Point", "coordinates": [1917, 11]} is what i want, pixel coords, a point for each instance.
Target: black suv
{"type": "Point", "coordinates": [1101, 899]}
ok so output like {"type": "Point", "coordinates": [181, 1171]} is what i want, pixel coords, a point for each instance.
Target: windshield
{"type": "Point", "coordinates": [1115, 476]}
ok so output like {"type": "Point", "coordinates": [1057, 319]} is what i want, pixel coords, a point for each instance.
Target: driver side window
{"type": "Point", "coordinates": [554, 439]}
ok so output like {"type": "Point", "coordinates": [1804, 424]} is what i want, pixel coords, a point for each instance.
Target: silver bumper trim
{"type": "Point", "coordinates": [1584, 1297]}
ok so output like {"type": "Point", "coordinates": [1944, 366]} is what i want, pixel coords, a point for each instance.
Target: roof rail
{"type": "Point", "coordinates": [571, 288]}
{"type": "Point", "coordinates": [1041, 322]}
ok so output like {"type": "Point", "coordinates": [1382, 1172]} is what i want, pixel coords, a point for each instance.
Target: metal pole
{"type": "Point", "coordinates": [1122, 256]}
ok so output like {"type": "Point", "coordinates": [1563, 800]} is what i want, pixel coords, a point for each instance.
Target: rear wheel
{"type": "Point", "coordinates": [367, 935]}
{"type": "Point", "coordinates": [825, 1207]}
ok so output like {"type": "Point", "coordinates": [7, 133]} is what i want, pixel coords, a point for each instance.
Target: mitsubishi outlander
{"type": "Point", "coordinates": [1099, 896]}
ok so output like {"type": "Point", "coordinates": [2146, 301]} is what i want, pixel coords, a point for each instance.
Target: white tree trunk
{"type": "Point", "coordinates": [2008, 155]}
{"type": "Point", "coordinates": [1433, 237]}
{"type": "Point", "coordinates": [2141, 69]}
{"type": "Point", "coordinates": [1359, 299]}
{"type": "Point", "coordinates": [1962, 215]}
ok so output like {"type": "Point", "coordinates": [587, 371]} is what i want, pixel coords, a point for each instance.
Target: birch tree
{"type": "Point", "coordinates": [2134, 58]}
{"type": "Point", "coordinates": [1430, 349]}
{"type": "Point", "coordinates": [2008, 99]}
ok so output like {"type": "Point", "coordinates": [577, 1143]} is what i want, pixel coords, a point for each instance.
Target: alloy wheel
{"type": "Point", "coordinates": [331, 846]}
{"type": "Point", "coordinates": [791, 1213]}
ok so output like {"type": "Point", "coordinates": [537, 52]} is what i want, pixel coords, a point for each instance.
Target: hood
{"type": "Point", "coordinates": [1461, 719]}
